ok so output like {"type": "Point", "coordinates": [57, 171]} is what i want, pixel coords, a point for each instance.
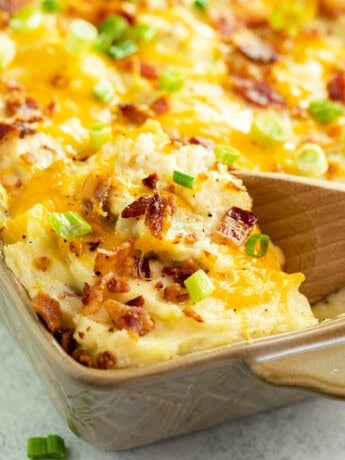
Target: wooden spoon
{"type": "Point", "coordinates": [306, 219]}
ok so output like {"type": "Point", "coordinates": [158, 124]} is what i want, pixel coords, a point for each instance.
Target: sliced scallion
{"type": "Point", "coordinates": [311, 160]}
{"type": "Point", "coordinates": [99, 135]}
{"type": "Point", "coordinates": [325, 111]}
{"type": "Point", "coordinates": [27, 19]}
{"type": "Point", "coordinates": [37, 447]}
{"type": "Point", "coordinates": [55, 446]}
{"type": "Point", "coordinates": [199, 286]}
{"type": "Point", "coordinates": [104, 91]}
{"type": "Point", "coordinates": [50, 6]}
{"type": "Point", "coordinates": [122, 50]}
{"type": "Point", "coordinates": [268, 130]}
{"type": "Point", "coordinates": [113, 27]}
{"type": "Point", "coordinates": [172, 80]}
{"type": "Point", "coordinates": [184, 179]}
{"type": "Point", "coordinates": [226, 154]}
{"type": "Point", "coordinates": [289, 15]}
{"type": "Point", "coordinates": [69, 224]}
{"type": "Point", "coordinates": [143, 32]}
{"type": "Point", "coordinates": [257, 245]}
{"type": "Point", "coordinates": [201, 5]}
{"type": "Point", "coordinates": [7, 51]}
{"type": "Point", "coordinates": [80, 36]}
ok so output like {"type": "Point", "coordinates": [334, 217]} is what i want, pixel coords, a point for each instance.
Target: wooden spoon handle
{"type": "Point", "coordinates": [306, 219]}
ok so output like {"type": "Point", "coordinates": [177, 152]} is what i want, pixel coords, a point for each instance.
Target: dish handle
{"type": "Point", "coordinates": [313, 359]}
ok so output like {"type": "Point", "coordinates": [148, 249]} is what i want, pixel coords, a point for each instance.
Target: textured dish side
{"type": "Point", "coordinates": [123, 409]}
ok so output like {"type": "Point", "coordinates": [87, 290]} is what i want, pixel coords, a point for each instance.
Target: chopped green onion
{"type": "Point", "coordinates": [55, 446]}
{"type": "Point", "coordinates": [225, 154]}
{"type": "Point", "coordinates": [7, 50]}
{"type": "Point", "coordinates": [80, 36]}
{"type": "Point", "coordinates": [325, 111]}
{"type": "Point", "coordinates": [37, 447]}
{"type": "Point", "coordinates": [113, 28]}
{"type": "Point", "coordinates": [104, 91]}
{"type": "Point", "coordinates": [257, 245]}
{"type": "Point", "coordinates": [99, 135]}
{"type": "Point", "coordinates": [50, 6]}
{"type": "Point", "coordinates": [69, 224]}
{"type": "Point", "coordinates": [27, 19]}
{"type": "Point", "coordinates": [199, 285]}
{"type": "Point", "coordinates": [201, 5]}
{"type": "Point", "coordinates": [181, 178]}
{"type": "Point", "coordinates": [311, 160]}
{"type": "Point", "coordinates": [268, 130]}
{"type": "Point", "coordinates": [289, 15]}
{"type": "Point", "coordinates": [143, 32]}
{"type": "Point", "coordinates": [122, 49]}
{"type": "Point", "coordinates": [172, 80]}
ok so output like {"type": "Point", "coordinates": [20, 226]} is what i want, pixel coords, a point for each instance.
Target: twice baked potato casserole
{"type": "Point", "coordinates": [121, 124]}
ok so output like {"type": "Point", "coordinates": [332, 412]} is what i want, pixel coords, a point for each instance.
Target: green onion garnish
{"type": "Point", "coordinates": [184, 179]}
{"type": "Point", "coordinates": [257, 245]}
{"type": "Point", "coordinates": [143, 32]}
{"type": "Point", "coordinates": [7, 51]}
{"type": "Point", "coordinates": [268, 130]}
{"type": "Point", "coordinates": [53, 446]}
{"type": "Point", "coordinates": [225, 154]}
{"type": "Point", "coordinates": [325, 111]}
{"type": "Point", "coordinates": [104, 91]}
{"type": "Point", "coordinates": [122, 50]}
{"type": "Point", "coordinates": [172, 80]}
{"type": "Point", "coordinates": [311, 160]}
{"type": "Point", "coordinates": [37, 447]}
{"type": "Point", "coordinates": [199, 285]}
{"type": "Point", "coordinates": [113, 28]}
{"type": "Point", "coordinates": [50, 6]}
{"type": "Point", "coordinates": [289, 15]}
{"type": "Point", "coordinates": [99, 135]}
{"type": "Point", "coordinates": [80, 36]}
{"type": "Point", "coordinates": [27, 19]}
{"type": "Point", "coordinates": [69, 224]}
{"type": "Point", "coordinates": [201, 5]}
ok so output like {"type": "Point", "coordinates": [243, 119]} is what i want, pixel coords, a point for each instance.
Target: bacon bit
{"type": "Point", "coordinates": [175, 293]}
{"type": "Point", "coordinates": [77, 248]}
{"type": "Point", "coordinates": [159, 285]}
{"type": "Point", "coordinates": [336, 87]}
{"type": "Point", "coordinates": [66, 339]}
{"type": "Point", "coordinates": [257, 92]}
{"type": "Point", "coordinates": [226, 24]}
{"type": "Point", "coordinates": [191, 238]}
{"type": "Point", "coordinates": [25, 109]}
{"type": "Point", "coordinates": [180, 272]}
{"type": "Point", "coordinates": [196, 140]}
{"type": "Point", "coordinates": [59, 81]}
{"type": "Point", "coordinates": [134, 113]}
{"type": "Point", "coordinates": [191, 313]}
{"type": "Point", "coordinates": [254, 48]}
{"type": "Point", "coordinates": [144, 268]}
{"type": "Point", "coordinates": [96, 196]}
{"type": "Point", "coordinates": [118, 285]}
{"type": "Point", "coordinates": [8, 131]}
{"type": "Point", "coordinates": [148, 71]}
{"type": "Point", "coordinates": [4, 19]}
{"type": "Point", "coordinates": [113, 260]}
{"type": "Point", "coordinates": [137, 208]}
{"type": "Point", "coordinates": [331, 8]}
{"type": "Point", "coordinates": [105, 360]}
{"type": "Point", "coordinates": [160, 105]}
{"type": "Point", "coordinates": [83, 357]}
{"type": "Point", "coordinates": [93, 245]}
{"type": "Point", "coordinates": [41, 263]}
{"type": "Point", "coordinates": [236, 225]}
{"type": "Point", "coordinates": [49, 310]}
{"type": "Point", "coordinates": [159, 212]}
{"type": "Point", "coordinates": [135, 319]}
{"type": "Point", "coordinates": [178, 238]}
{"type": "Point", "coordinates": [136, 302]}
{"type": "Point", "coordinates": [151, 181]}
{"type": "Point", "coordinates": [51, 108]}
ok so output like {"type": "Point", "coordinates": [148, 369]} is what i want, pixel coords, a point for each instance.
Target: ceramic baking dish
{"type": "Point", "coordinates": [120, 409]}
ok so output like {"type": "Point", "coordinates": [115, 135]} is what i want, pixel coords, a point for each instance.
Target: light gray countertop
{"type": "Point", "coordinates": [311, 429]}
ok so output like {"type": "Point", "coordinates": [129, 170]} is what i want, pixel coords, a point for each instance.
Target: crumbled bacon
{"type": "Point", "coordinates": [8, 130]}
{"type": "Point", "coordinates": [336, 87]}
{"type": "Point", "coordinates": [148, 71]}
{"type": "Point", "coordinates": [160, 105]}
{"type": "Point", "coordinates": [118, 285]}
{"type": "Point", "coordinates": [226, 24]}
{"type": "Point", "coordinates": [96, 195]}
{"type": "Point", "coordinates": [191, 313]}
{"type": "Point", "coordinates": [135, 319]}
{"type": "Point", "coordinates": [254, 48]}
{"type": "Point", "coordinates": [41, 263]}
{"type": "Point", "coordinates": [332, 8]}
{"type": "Point", "coordinates": [24, 109]}
{"type": "Point", "coordinates": [236, 225]}
{"type": "Point", "coordinates": [105, 360]}
{"type": "Point", "coordinates": [66, 339]}
{"type": "Point", "coordinates": [138, 301]}
{"type": "Point", "coordinates": [113, 260]}
{"type": "Point", "coordinates": [151, 181]}
{"type": "Point", "coordinates": [137, 208]}
{"type": "Point", "coordinates": [49, 310]}
{"type": "Point", "coordinates": [175, 293]}
{"type": "Point", "coordinates": [197, 140]}
{"type": "Point", "coordinates": [83, 357]}
{"type": "Point", "coordinates": [134, 113]}
{"type": "Point", "coordinates": [258, 92]}
{"type": "Point", "coordinates": [182, 271]}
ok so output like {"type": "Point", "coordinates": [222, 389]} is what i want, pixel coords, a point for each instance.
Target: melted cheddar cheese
{"type": "Point", "coordinates": [115, 296]}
